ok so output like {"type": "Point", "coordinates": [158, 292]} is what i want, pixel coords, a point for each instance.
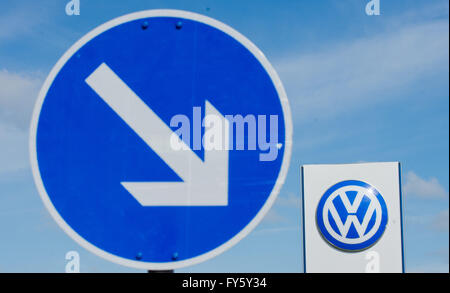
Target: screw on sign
{"type": "Point", "coordinates": [102, 144]}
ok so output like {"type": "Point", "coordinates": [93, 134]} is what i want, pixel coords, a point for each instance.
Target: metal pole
{"type": "Point", "coordinates": [160, 272]}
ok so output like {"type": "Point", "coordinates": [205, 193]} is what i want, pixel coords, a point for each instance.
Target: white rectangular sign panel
{"type": "Point", "coordinates": [352, 218]}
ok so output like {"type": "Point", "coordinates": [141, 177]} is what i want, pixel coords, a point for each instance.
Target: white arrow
{"type": "Point", "coordinates": [204, 183]}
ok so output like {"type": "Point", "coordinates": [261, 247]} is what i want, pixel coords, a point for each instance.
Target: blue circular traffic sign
{"type": "Point", "coordinates": [160, 139]}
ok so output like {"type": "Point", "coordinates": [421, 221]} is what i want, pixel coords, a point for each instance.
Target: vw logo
{"type": "Point", "coordinates": [352, 215]}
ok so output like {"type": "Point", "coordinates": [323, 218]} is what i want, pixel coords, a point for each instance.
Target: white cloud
{"type": "Point", "coordinates": [17, 21]}
{"type": "Point", "coordinates": [13, 24]}
{"type": "Point", "coordinates": [273, 217]}
{"type": "Point", "coordinates": [436, 267]}
{"type": "Point", "coordinates": [440, 222]}
{"type": "Point", "coordinates": [424, 188]}
{"type": "Point", "coordinates": [276, 214]}
{"type": "Point", "coordinates": [288, 200]}
{"type": "Point", "coordinates": [435, 261]}
{"type": "Point", "coordinates": [362, 72]}
{"type": "Point", "coordinates": [18, 93]}
{"type": "Point", "coordinates": [277, 230]}
{"type": "Point", "coordinates": [13, 149]}
{"type": "Point", "coordinates": [429, 11]}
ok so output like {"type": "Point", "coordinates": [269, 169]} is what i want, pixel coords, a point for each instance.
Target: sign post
{"type": "Point", "coordinates": [352, 218]}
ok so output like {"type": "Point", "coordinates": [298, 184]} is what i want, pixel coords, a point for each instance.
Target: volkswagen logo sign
{"type": "Point", "coordinates": [352, 215]}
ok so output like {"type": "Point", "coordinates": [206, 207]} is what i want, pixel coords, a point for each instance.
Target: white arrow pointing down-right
{"type": "Point", "coordinates": [204, 183]}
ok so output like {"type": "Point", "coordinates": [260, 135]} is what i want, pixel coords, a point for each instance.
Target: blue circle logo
{"type": "Point", "coordinates": [352, 215]}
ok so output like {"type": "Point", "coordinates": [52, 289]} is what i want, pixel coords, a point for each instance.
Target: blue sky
{"type": "Point", "coordinates": [361, 88]}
